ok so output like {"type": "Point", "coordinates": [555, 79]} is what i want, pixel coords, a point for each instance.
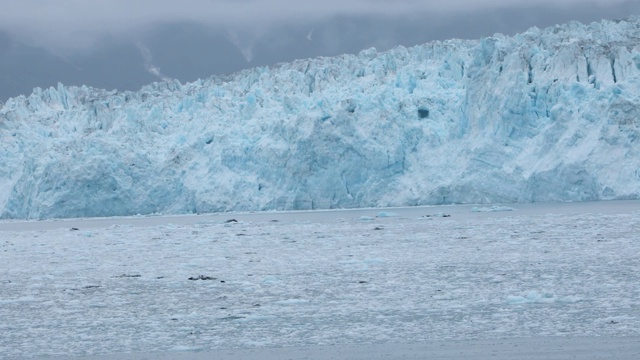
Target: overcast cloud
{"type": "Point", "coordinates": [124, 44]}
{"type": "Point", "coordinates": [75, 24]}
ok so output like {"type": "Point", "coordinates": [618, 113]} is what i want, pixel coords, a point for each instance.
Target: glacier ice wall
{"type": "Point", "coordinates": [548, 115]}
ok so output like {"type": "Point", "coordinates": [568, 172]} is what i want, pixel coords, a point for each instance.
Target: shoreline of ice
{"type": "Point", "coordinates": [459, 210]}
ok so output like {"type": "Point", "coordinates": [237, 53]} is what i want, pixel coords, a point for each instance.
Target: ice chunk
{"type": "Point", "coordinates": [533, 296]}
{"type": "Point", "coordinates": [292, 302]}
{"type": "Point", "coordinates": [384, 214]}
{"type": "Point", "coordinates": [491, 209]}
{"type": "Point", "coordinates": [436, 215]}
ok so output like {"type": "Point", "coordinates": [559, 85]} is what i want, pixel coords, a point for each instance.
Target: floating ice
{"type": "Point", "coordinates": [491, 209]}
{"type": "Point", "coordinates": [533, 296]}
{"type": "Point", "coordinates": [384, 214]}
{"type": "Point", "coordinates": [292, 302]}
{"type": "Point", "coordinates": [547, 115]}
{"type": "Point", "coordinates": [185, 348]}
{"type": "Point", "coordinates": [436, 215]}
{"type": "Point", "coordinates": [409, 284]}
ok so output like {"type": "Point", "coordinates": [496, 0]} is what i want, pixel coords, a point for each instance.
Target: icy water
{"type": "Point", "coordinates": [326, 278]}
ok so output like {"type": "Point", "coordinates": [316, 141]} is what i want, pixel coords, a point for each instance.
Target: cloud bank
{"type": "Point", "coordinates": [75, 24]}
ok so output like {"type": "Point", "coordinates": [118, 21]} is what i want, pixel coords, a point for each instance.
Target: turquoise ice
{"type": "Point", "coordinates": [547, 115]}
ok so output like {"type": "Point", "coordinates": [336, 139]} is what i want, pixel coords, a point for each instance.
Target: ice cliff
{"type": "Point", "coordinates": [548, 115]}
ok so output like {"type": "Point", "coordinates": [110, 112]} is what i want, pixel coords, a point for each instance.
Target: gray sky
{"type": "Point", "coordinates": [124, 44]}
{"type": "Point", "coordinates": [76, 24]}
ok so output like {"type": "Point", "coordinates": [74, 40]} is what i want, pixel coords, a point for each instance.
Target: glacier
{"type": "Point", "coordinates": [547, 115]}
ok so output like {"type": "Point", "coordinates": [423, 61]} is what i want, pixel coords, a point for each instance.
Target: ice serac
{"type": "Point", "coordinates": [548, 115]}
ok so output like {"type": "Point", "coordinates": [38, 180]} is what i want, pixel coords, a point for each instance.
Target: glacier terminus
{"type": "Point", "coordinates": [547, 115]}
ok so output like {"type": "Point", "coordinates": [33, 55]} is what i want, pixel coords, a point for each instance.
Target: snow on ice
{"type": "Point", "coordinates": [547, 115]}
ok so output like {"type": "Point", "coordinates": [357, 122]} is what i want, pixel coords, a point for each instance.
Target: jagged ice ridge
{"type": "Point", "coordinates": [547, 115]}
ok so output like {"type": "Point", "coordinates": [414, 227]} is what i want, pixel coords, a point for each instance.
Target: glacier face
{"type": "Point", "coordinates": [547, 115]}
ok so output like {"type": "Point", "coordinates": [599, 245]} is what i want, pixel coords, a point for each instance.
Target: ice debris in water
{"type": "Point", "coordinates": [384, 214]}
{"type": "Point", "coordinates": [491, 209]}
{"type": "Point", "coordinates": [436, 215]}
{"type": "Point", "coordinates": [540, 298]}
